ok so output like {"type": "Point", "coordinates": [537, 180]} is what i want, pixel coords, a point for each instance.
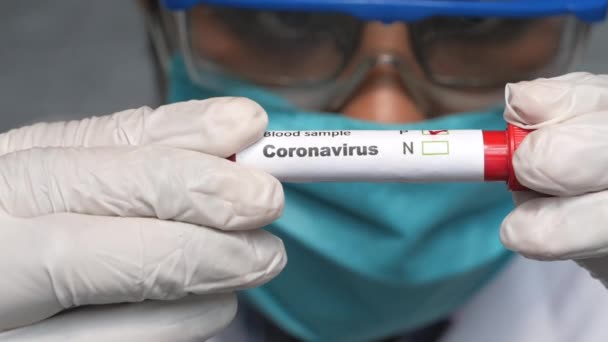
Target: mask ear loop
{"type": "Point", "coordinates": [183, 39]}
{"type": "Point", "coordinates": [158, 29]}
{"type": "Point", "coordinates": [159, 34]}
{"type": "Point", "coordinates": [581, 39]}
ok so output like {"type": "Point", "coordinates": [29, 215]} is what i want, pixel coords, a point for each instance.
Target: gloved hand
{"type": "Point", "coordinates": [566, 160]}
{"type": "Point", "coordinates": [141, 208]}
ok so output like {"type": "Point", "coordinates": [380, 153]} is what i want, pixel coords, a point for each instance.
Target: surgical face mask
{"type": "Point", "coordinates": [371, 260]}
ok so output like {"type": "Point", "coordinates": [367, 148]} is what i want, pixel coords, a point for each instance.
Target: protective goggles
{"type": "Point", "coordinates": [316, 52]}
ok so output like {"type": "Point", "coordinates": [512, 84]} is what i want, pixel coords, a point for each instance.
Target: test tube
{"type": "Point", "coordinates": [420, 156]}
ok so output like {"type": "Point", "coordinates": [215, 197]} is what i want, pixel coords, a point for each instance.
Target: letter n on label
{"type": "Point", "coordinates": [408, 147]}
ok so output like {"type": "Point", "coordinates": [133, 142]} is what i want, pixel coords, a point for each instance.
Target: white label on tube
{"type": "Point", "coordinates": [401, 156]}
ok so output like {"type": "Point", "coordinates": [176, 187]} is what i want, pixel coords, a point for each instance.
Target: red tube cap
{"type": "Point", "coordinates": [499, 148]}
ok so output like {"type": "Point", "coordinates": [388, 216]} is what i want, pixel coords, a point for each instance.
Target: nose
{"type": "Point", "coordinates": [382, 96]}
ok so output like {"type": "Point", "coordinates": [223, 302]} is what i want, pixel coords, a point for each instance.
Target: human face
{"type": "Point", "coordinates": [390, 73]}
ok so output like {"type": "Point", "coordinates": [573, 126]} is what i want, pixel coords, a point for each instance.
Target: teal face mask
{"type": "Point", "coordinates": [371, 260]}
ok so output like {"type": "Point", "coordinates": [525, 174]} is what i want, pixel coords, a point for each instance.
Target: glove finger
{"type": "Point", "coordinates": [565, 159]}
{"type": "Point", "coordinates": [546, 101]}
{"type": "Point", "coordinates": [555, 228]}
{"type": "Point", "coordinates": [145, 181]}
{"type": "Point", "coordinates": [192, 318]}
{"type": "Point", "coordinates": [218, 126]}
{"type": "Point", "coordinates": [75, 260]}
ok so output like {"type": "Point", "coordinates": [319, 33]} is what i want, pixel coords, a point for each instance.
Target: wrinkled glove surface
{"type": "Point", "coordinates": [565, 162]}
{"type": "Point", "coordinates": [138, 211]}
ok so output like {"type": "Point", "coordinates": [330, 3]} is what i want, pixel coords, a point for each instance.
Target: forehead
{"type": "Point", "coordinates": [413, 10]}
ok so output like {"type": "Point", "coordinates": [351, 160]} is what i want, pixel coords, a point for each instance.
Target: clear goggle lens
{"type": "Point", "coordinates": [317, 60]}
{"type": "Point", "coordinates": [279, 48]}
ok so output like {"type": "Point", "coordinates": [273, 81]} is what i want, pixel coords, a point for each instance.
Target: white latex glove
{"type": "Point", "coordinates": [566, 158]}
{"type": "Point", "coordinates": [141, 208]}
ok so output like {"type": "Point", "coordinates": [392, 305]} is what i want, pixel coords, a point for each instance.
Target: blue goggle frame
{"type": "Point", "coordinates": [413, 10]}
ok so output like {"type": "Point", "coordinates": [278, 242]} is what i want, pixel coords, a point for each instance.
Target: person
{"type": "Point", "coordinates": [141, 212]}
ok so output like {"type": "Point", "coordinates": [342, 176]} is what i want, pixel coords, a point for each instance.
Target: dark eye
{"type": "Point", "coordinates": [284, 29]}
{"type": "Point", "coordinates": [470, 28]}
{"type": "Point", "coordinates": [287, 25]}
{"type": "Point", "coordinates": [266, 28]}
